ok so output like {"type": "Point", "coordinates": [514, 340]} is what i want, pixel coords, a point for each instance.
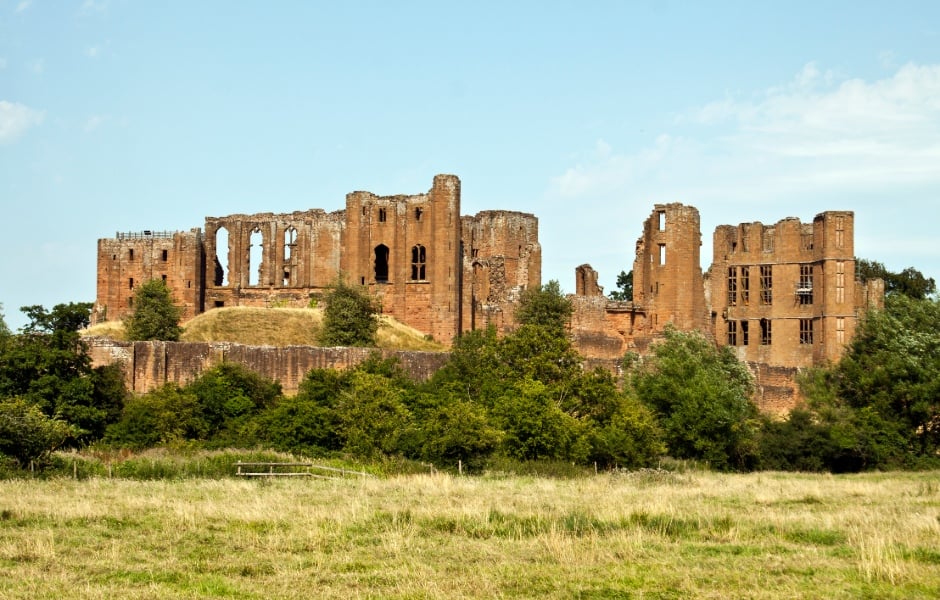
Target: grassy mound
{"type": "Point", "coordinates": [275, 327]}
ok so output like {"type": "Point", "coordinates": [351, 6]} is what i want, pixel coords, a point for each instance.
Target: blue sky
{"type": "Point", "coordinates": [119, 115]}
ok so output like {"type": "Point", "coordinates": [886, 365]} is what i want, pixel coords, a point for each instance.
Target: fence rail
{"type": "Point", "coordinates": [289, 469]}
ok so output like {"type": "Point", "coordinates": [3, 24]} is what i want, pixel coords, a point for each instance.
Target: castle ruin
{"type": "Point", "coordinates": [783, 296]}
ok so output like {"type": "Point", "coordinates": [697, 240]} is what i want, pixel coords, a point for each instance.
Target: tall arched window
{"type": "Point", "coordinates": [418, 261]}
{"type": "Point", "coordinates": [381, 263]}
{"type": "Point", "coordinates": [221, 256]}
{"type": "Point", "coordinates": [255, 255]}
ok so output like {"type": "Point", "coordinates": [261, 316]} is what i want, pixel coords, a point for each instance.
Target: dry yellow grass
{"type": "Point", "coordinates": [275, 327]}
{"type": "Point", "coordinates": [643, 535]}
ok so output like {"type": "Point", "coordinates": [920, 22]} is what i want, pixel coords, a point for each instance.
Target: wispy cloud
{"type": "Point", "coordinates": [91, 6]}
{"type": "Point", "coordinates": [38, 66]}
{"type": "Point", "coordinates": [15, 119]}
{"type": "Point", "coordinates": [814, 131]}
{"type": "Point", "coordinates": [23, 6]}
{"type": "Point", "coordinates": [94, 122]}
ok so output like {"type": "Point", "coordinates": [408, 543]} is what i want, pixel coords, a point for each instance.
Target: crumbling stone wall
{"type": "Point", "coordinates": [501, 258]}
{"type": "Point", "coordinates": [150, 365]}
{"type": "Point", "coordinates": [130, 259]}
{"type": "Point", "coordinates": [785, 295]}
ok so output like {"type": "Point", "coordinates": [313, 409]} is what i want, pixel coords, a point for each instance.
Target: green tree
{"type": "Point", "coordinates": [701, 395]}
{"type": "Point", "coordinates": [155, 317]}
{"type": "Point", "coordinates": [350, 317]}
{"type": "Point", "coordinates": [163, 416]}
{"type": "Point", "coordinates": [28, 435]}
{"type": "Point", "coordinates": [545, 306]}
{"type": "Point", "coordinates": [48, 365]}
{"type": "Point", "coordinates": [624, 291]}
{"type": "Point", "coordinates": [892, 369]}
{"type": "Point", "coordinates": [909, 282]}
{"type": "Point", "coordinates": [230, 396]}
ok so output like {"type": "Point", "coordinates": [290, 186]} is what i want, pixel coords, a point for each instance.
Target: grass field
{"type": "Point", "coordinates": [276, 327]}
{"type": "Point", "coordinates": [650, 534]}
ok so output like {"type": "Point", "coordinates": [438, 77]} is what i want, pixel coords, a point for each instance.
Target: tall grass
{"type": "Point", "coordinates": [616, 535]}
{"type": "Point", "coordinates": [275, 327]}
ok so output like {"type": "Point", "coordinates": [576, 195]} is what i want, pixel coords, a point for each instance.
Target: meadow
{"type": "Point", "coordinates": [645, 534]}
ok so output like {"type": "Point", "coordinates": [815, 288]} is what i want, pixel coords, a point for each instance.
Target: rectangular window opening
{"type": "Point", "coordinates": [744, 337]}
{"type": "Point", "coordinates": [732, 333]}
{"type": "Point", "coordinates": [661, 220]}
{"type": "Point", "coordinates": [130, 283]}
{"type": "Point", "coordinates": [130, 254]}
{"type": "Point", "coordinates": [804, 289]}
{"type": "Point", "coordinates": [732, 286]}
{"type": "Point", "coordinates": [766, 285]}
{"type": "Point", "coordinates": [745, 285]}
{"type": "Point", "coordinates": [662, 254]}
{"type": "Point", "coordinates": [383, 215]}
{"type": "Point", "coordinates": [806, 331]}
{"type": "Point", "coordinates": [765, 332]}
{"type": "Point", "coordinates": [165, 255]}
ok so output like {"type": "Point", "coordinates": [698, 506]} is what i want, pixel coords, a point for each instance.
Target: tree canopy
{"type": "Point", "coordinates": [155, 317]}
{"type": "Point", "coordinates": [909, 282]}
{"type": "Point", "coordinates": [544, 306]}
{"type": "Point", "coordinates": [350, 317]}
{"type": "Point", "coordinates": [624, 291]}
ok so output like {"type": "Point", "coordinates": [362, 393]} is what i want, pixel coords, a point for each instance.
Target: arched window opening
{"type": "Point", "coordinates": [255, 253]}
{"type": "Point", "coordinates": [221, 257]}
{"type": "Point", "coordinates": [418, 262]}
{"type": "Point", "coordinates": [381, 263]}
{"type": "Point", "coordinates": [290, 242]}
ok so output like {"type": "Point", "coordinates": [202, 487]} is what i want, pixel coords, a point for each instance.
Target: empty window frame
{"type": "Point", "coordinates": [806, 240]}
{"type": "Point", "coordinates": [732, 286]}
{"type": "Point", "coordinates": [732, 333]}
{"type": "Point", "coordinates": [804, 289]}
{"type": "Point", "coordinates": [745, 285]}
{"type": "Point", "coordinates": [165, 255]}
{"type": "Point", "coordinates": [766, 285]}
{"type": "Point", "coordinates": [418, 213]}
{"type": "Point", "coordinates": [840, 281]}
{"type": "Point", "coordinates": [418, 263]}
{"type": "Point", "coordinates": [744, 333]}
{"type": "Point", "coordinates": [662, 254]}
{"type": "Point", "coordinates": [806, 331]}
{"type": "Point", "coordinates": [130, 254]}
{"type": "Point", "coordinates": [768, 239]}
{"type": "Point", "coordinates": [661, 220]}
{"type": "Point", "coordinates": [381, 263]}
{"type": "Point", "coordinates": [765, 332]}
{"type": "Point", "coordinates": [130, 283]}
{"type": "Point", "coordinates": [383, 215]}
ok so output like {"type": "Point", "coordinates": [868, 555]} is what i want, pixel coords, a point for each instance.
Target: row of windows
{"type": "Point", "coordinates": [383, 213]}
{"type": "Point", "coordinates": [419, 260]}
{"type": "Point", "coordinates": [739, 332]}
{"type": "Point", "coordinates": [739, 285]}
{"type": "Point", "coordinates": [164, 255]}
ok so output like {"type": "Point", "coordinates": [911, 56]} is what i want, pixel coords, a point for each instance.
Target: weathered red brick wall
{"type": "Point", "coordinates": [149, 365]}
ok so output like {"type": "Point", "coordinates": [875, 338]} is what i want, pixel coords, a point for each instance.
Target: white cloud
{"type": "Point", "coordinates": [811, 132]}
{"type": "Point", "coordinates": [817, 142]}
{"type": "Point", "coordinates": [90, 6]}
{"type": "Point", "coordinates": [37, 66]}
{"type": "Point", "coordinates": [23, 6]}
{"type": "Point", "coordinates": [15, 119]}
{"type": "Point", "coordinates": [94, 122]}
{"type": "Point", "coordinates": [92, 51]}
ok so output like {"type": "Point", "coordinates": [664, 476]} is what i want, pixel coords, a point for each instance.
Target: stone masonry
{"type": "Point", "coordinates": [783, 296]}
